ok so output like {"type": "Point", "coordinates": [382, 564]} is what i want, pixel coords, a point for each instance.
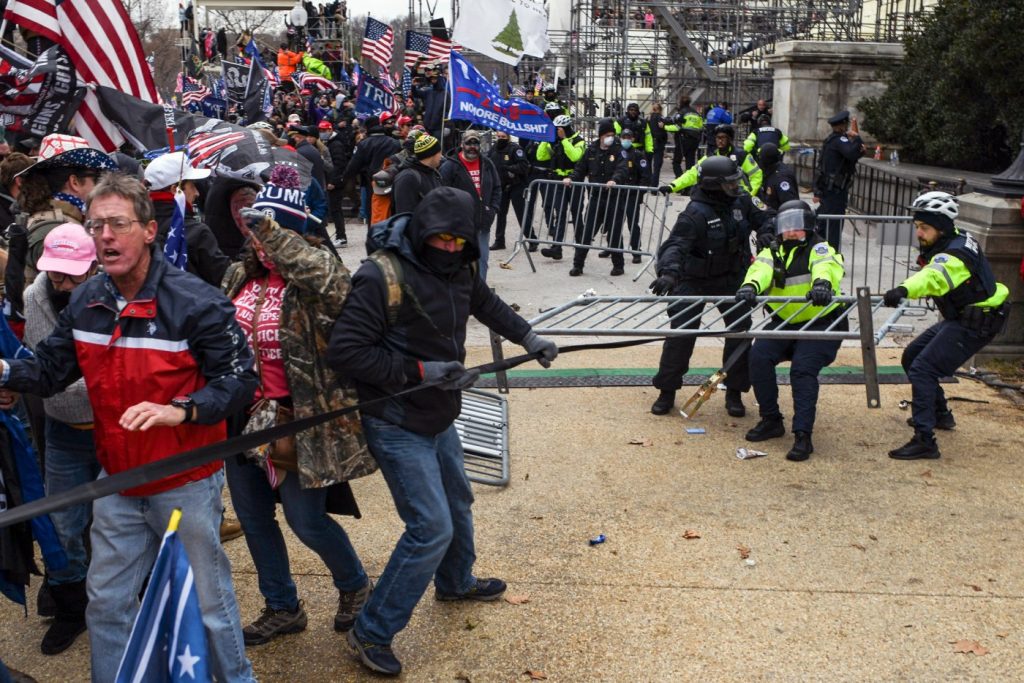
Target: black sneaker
{"type": "Point", "coordinates": [617, 270]}
{"type": "Point", "coordinates": [378, 658]}
{"type": "Point", "coordinates": [943, 421]}
{"type": "Point", "coordinates": [734, 403]}
{"type": "Point", "coordinates": [664, 403]}
{"type": "Point", "coordinates": [484, 590]}
{"type": "Point", "coordinates": [920, 447]}
{"type": "Point", "coordinates": [576, 271]}
{"type": "Point", "coordinates": [273, 623]}
{"type": "Point", "coordinates": [349, 604]}
{"type": "Point", "coordinates": [603, 254]}
{"type": "Point", "coordinates": [637, 258]}
{"type": "Point", "coordinates": [767, 428]}
{"type": "Point", "coordinates": [802, 447]}
{"type": "Point", "coordinates": [497, 246]}
{"type": "Point", "coordinates": [532, 248]}
{"type": "Point", "coordinates": [552, 253]}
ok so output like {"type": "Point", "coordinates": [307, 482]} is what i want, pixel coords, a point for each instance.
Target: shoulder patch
{"type": "Point", "coordinates": [519, 153]}
{"type": "Point", "coordinates": [784, 186]}
{"type": "Point", "coordinates": [821, 249]}
{"type": "Point", "coordinates": [941, 258]}
{"type": "Point", "coordinates": [843, 138]}
{"type": "Point", "coordinates": [643, 163]}
{"type": "Point", "coordinates": [625, 154]}
{"type": "Point", "coordinates": [756, 201]}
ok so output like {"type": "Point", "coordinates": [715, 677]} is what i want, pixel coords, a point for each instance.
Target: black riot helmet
{"type": "Point", "coordinates": [720, 174]}
{"type": "Point", "coordinates": [768, 156]}
{"type": "Point", "coordinates": [796, 214]}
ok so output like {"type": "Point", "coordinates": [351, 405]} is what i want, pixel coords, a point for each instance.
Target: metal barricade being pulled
{"type": "Point", "coordinates": [621, 219]}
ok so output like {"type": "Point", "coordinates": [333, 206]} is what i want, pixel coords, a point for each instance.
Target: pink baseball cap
{"type": "Point", "coordinates": [67, 249]}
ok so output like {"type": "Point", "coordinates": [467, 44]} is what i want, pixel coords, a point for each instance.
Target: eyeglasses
{"type": "Point", "coordinates": [448, 237]}
{"type": "Point", "coordinates": [119, 224]}
{"type": "Point", "coordinates": [59, 278]}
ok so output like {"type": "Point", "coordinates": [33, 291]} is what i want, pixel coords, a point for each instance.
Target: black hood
{"type": "Point", "coordinates": [445, 209]}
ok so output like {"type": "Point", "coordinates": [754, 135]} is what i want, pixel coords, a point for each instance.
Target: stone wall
{"type": "Point", "coordinates": [816, 79]}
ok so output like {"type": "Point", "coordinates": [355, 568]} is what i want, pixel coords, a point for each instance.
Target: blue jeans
{"type": "Point", "coordinates": [482, 237]}
{"type": "Point", "coordinates": [305, 511]}
{"type": "Point", "coordinates": [126, 534]}
{"type": "Point", "coordinates": [433, 498]}
{"type": "Point", "coordinates": [70, 461]}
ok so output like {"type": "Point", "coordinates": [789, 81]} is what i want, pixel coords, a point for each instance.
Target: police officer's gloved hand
{"type": "Point", "coordinates": [893, 297]}
{"type": "Point", "coordinates": [664, 284]}
{"type": "Point", "coordinates": [765, 240]}
{"type": "Point", "coordinates": [747, 294]}
{"type": "Point", "coordinates": [448, 375]}
{"type": "Point", "coordinates": [665, 189]}
{"type": "Point", "coordinates": [547, 349]}
{"type": "Point", "coordinates": [821, 293]}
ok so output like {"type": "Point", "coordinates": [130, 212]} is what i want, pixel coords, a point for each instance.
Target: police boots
{"type": "Point", "coordinates": [664, 403]}
{"type": "Point", "coordinates": [921, 447]}
{"type": "Point", "coordinates": [767, 428]}
{"type": "Point", "coordinates": [943, 421]}
{"type": "Point", "coordinates": [734, 403]}
{"type": "Point", "coordinates": [802, 447]}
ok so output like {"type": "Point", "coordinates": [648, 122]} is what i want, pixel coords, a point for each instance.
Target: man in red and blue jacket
{"type": "Point", "coordinates": [165, 363]}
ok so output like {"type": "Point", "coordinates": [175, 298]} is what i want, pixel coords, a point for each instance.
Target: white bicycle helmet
{"type": "Point", "coordinates": [562, 121]}
{"type": "Point", "coordinates": [941, 203]}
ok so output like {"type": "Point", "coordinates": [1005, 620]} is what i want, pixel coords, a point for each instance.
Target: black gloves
{"type": "Point", "coordinates": [449, 375]}
{"type": "Point", "coordinates": [665, 189]}
{"type": "Point", "coordinates": [547, 349]}
{"type": "Point", "coordinates": [747, 294]}
{"type": "Point", "coordinates": [821, 293]}
{"type": "Point", "coordinates": [765, 240]}
{"type": "Point", "coordinates": [664, 284]}
{"type": "Point", "coordinates": [893, 297]}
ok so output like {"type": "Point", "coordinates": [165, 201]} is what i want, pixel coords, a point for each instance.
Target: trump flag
{"type": "Point", "coordinates": [475, 99]}
{"type": "Point", "coordinates": [168, 642]}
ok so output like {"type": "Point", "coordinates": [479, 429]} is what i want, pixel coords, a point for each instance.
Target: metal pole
{"type": "Point", "coordinates": [867, 346]}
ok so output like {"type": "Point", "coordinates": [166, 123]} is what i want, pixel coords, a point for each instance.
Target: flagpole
{"type": "Point", "coordinates": [172, 526]}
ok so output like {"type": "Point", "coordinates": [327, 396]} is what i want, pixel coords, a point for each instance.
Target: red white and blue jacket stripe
{"type": "Point", "coordinates": [177, 337]}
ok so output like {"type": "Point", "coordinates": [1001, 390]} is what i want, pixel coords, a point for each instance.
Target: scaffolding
{"type": "Point", "coordinates": [620, 51]}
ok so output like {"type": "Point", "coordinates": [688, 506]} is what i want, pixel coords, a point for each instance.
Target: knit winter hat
{"type": "Point", "coordinates": [283, 200]}
{"type": "Point", "coordinates": [426, 146]}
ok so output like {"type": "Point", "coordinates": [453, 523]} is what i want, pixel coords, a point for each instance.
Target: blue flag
{"type": "Point", "coordinates": [175, 249]}
{"type": "Point", "coordinates": [168, 642]}
{"type": "Point", "coordinates": [374, 97]}
{"type": "Point", "coordinates": [254, 52]}
{"type": "Point", "coordinates": [474, 99]}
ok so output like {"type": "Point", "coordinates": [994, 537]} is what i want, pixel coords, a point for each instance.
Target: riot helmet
{"type": "Point", "coordinates": [795, 214]}
{"type": "Point", "coordinates": [720, 174]}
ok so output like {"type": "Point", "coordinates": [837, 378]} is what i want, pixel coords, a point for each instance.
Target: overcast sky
{"type": "Point", "coordinates": [394, 8]}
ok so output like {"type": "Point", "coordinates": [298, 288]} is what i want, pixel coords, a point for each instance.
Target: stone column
{"type": "Point", "coordinates": [997, 224]}
{"type": "Point", "coordinates": [816, 79]}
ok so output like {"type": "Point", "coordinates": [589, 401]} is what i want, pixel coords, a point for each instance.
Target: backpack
{"type": "Point", "coordinates": [390, 265]}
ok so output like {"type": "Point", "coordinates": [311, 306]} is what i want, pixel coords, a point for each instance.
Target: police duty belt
{"type": "Point", "coordinates": [166, 467]}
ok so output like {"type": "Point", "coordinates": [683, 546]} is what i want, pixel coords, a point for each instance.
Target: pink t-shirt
{"type": "Point", "coordinates": [268, 327]}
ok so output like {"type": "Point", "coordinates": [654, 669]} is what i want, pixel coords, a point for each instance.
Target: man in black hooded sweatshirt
{"type": "Point", "coordinates": [412, 437]}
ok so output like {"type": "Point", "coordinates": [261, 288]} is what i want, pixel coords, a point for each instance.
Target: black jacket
{"type": "Point", "coordinates": [412, 184]}
{"type": "Point", "coordinates": [779, 186]}
{"type": "Point", "coordinates": [657, 123]}
{"type": "Point", "coordinates": [371, 152]}
{"type": "Point", "coordinates": [511, 164]}
{"type": "Point", "coordinates": [313, 154]}
{"type": "Point", "coordinates": [711, 237]}
{"type": "Point", "coordinates": [837, 163]}
{"type": "Point", "coordinates": [431, 322]}
{"type": "Point", "coordinates": [340, 148]}
{"type": "Point", "coordinates": [454, 174]}
{"type": "Point", "coordinates": [601, 165]}
{"type": "Point", "coordinates": [433, 96]}
{"type": "Point", "coordinates": [205, 259]}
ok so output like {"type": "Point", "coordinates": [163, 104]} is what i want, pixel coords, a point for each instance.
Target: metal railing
{"type": "Point", "coordinates": [622, 219]}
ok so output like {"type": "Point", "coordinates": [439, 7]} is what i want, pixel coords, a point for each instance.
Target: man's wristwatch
{"type": "Point", "coordinates": [187, 404]}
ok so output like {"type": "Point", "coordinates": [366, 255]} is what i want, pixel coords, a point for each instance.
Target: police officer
{"type": "Point", "coordinates": [687, 126]}
{"type": "Point", "coordinates": [707, 254]}
{"type": "Point", "coordinates": [763, 134]}
{"type": "Point", "coordinates": [635, 121]}
{"type": "Point", "coordinates": [550, 96]}
{"type": "Point", "coordinates": [510, 161]}
{"type": "Point", "coordinates": [799, 263]}
{"type": "Point", "coordinates": [837, 164]}
{"type": "Point", "coordinates": [751, 172]}
{"type": "Point", "coordinates": [656, 122]}
{"type": "Point", "coordinates": [638, 173]}
{"type": "Point", "coordinates": [604, 163]}
{"type": "Point", "coordinates": [780, 184]}
{"type": "Point", "coordinates": [559, 201]}
{"type": "Point", "coordinates": [958, 278]}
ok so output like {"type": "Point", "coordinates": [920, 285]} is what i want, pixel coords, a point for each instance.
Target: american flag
{"type": "Point", "coordinates": [378, 42]}
{"type": "Point", "coordinates": [192, 91]}
{"type": "Point", "coordinates": [517, 91]}
{"type": "Point", "coordinates": [304, 79]}
{"type": "Point", "coordinates": [425, 47]}
{"type": "Point", "coordinates": [357, 75]}
{"type": "Point", "coordinates": [385, 78]}
{"type": "Point", "coordinates": [103, 45]}
{"type": "Point", "coordinates": [206, 148]}
{"type": "Point", "coordinates": [272, 78]}
{"type": "Point", "coordinates": [406, 82]}
{"type": "Point", "coordinates": [176, 248]}
{"type": "Point", "coordinates": [21, 80]}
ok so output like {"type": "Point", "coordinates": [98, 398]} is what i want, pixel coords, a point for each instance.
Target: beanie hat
{"type": "Point", "coordinates": [941, 222]}
{"type": "Point", "coordinates": [283, 200]}
{"type": "Point", "coordinates": [426, 146]}
{"type": "Point", "coordinates": [605, 126]}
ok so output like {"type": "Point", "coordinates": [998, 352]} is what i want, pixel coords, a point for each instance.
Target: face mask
{"type": "Point", "coordinates": [792, 244]}
{"type": "Point", "coordinates": [501, 143]}
{"type": "Point", "coordinates": [325, 136]}
{"type": "Point", "coordinates": [59, 300]}
{"type": "Point", "coordinates": [608, 140]}
{"type": "Point", "coordinates": [443, 263]}
{"type": "Point", "coordinates": [626, 144]}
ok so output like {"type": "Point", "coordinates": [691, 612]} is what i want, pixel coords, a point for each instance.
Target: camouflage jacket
{"type": "Point", "coordinates": [317, 284]}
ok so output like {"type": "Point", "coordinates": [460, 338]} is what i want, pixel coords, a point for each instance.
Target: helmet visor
{"type": "Point", "coordinates": [731, 185]}
{"type": "Point", "coordinates": [787, 221]}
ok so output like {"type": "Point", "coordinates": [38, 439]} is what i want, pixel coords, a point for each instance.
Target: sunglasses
{"type": "Point", "coordinates": [119, 224]}
{"type": "Point", "coordinates": [59, 278]}
{"type": "Point", "coordinates": [448, 237]}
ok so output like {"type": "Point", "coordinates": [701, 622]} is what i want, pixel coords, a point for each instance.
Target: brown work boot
{"type": "Point", "coordinates": [230, 529]}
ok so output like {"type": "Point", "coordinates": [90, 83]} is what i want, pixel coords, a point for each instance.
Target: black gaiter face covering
{"type": "Point", "coordinates": [442, 262]}
{"type": "Point", "coordinates": [59, 300]}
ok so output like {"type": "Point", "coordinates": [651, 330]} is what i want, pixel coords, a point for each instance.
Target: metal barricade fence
{"type": "Point", "coordinates": [625, 219]}
{"type": "Point", "coordinates": [878, 252]}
